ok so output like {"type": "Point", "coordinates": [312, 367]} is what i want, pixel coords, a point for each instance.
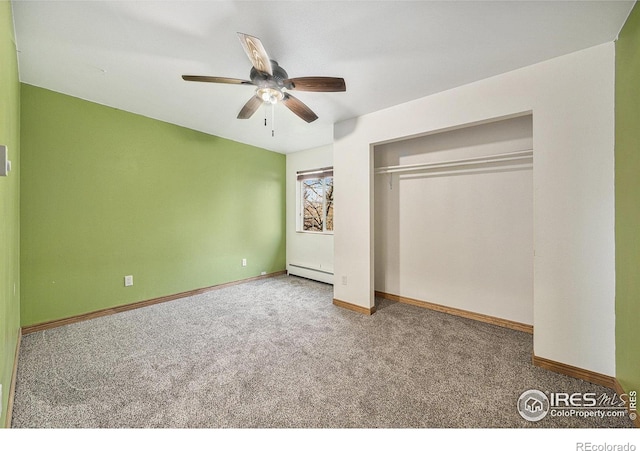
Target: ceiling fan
{"type": "Point", "coordinates": [273, 83]}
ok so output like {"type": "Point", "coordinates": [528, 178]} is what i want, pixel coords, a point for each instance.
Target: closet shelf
{"type": "Point", "coordinates": [495, 158]}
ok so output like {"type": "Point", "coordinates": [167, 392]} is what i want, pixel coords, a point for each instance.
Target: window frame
{"type": "Point", "coordinates": [301, 176]}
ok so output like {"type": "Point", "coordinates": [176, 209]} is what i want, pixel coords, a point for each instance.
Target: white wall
{"type": "Point", "coordinates": [308, 249]}
{"type": "Point", "coordinates": [461, 236]}
{"type": "Point", "coordinates": [572, 101]}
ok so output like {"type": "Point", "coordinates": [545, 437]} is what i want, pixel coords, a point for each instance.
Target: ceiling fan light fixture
{"type": "Point", "coordinates": [270, 95]}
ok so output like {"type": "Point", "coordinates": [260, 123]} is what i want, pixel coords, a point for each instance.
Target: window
{"type": "Point", "coordinates": [316, 200]}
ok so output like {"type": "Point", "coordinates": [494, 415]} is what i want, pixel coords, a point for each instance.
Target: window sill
{"type": "Point", "coordinates": [314, 233]}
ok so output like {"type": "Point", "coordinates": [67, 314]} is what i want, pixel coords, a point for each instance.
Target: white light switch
{"type": "Point", "coordinates": [5, 164]}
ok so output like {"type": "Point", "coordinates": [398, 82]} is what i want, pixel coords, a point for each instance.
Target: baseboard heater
{"type": "Point", "coordinates": [310, 272]}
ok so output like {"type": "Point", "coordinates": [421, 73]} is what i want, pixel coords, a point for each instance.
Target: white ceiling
{"type": "Point", "coordinates": [131, 54]}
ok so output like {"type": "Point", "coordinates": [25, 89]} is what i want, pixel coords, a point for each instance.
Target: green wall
{"type": "Point", "coordinates": [107, 193]}
{"type": "Point", "coordinates": [627, 161]}
{"type": "Point", "coordinates": [9, 204]}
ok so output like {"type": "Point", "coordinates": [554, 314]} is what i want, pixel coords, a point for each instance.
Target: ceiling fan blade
{"type": "Point", "coordinates": [207, 79]}
{"type": "Point", "coordinates": [316, 84]}
{"type": "Point", "coordinates": [250, 107]}
{"type": "Point", "coordinates": [256, 53]}
{"type": "Point", "coordinates": [299, 108]}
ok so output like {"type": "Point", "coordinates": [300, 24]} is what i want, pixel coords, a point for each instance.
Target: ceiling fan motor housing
{"type": "Point", "coordinates": [265, 80]}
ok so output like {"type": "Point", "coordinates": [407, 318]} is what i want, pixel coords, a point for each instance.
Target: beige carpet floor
{"type": "Point", "coordinates": [275, 353]}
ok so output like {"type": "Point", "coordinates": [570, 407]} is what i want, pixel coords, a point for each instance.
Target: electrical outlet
{"type": "Point", "coordinates": [244, 262]}
{"type": "Point", "coordinates": [263, 273]}
{"type": "Point", "coordinates": [128, 281]}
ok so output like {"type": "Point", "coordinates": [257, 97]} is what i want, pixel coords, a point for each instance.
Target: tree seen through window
{"type": "Point", "coordinates": [317, 204]}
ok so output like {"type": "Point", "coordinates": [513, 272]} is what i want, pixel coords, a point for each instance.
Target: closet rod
{"type": "Point", "coordinates": [508, 156]}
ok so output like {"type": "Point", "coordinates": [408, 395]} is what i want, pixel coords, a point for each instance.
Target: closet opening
{"type": "Point", "coordinates": [453, 221]}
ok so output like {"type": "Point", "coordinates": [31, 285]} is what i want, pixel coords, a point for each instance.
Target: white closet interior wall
{"type": "Point", "coordinates": [460, 236]}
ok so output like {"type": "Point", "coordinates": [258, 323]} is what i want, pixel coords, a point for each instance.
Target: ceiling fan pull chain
{"type": "Point", "coordinates": [265, 117]}
{"type": "Point", "coordinates": [273, 120]}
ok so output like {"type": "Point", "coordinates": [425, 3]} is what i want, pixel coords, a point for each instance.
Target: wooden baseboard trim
{"type": "Point", "coordinates": [354, 307]}
{"type": "Point", "coordinates": [14, 376]}
{"type": "Point", "coordinates": [574, 371]}
{"type": "Point", "coordinates": [136, 305]}
{"type": "Point", "coordinates": [621, 391]}
{"type": "Point", "coordinates": [458, 312]}
{"type": "Point", "coordinates": [618, 388]}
